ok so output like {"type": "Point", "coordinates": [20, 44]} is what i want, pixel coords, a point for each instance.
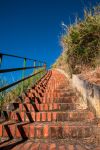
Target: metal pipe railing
{"type": "Point", "coordinates": [13, 84]}
{"type": "Point", "coordinates": [18, 69]}
{"type": "Point", "coordinates": [10, 55]}
{"type": "Point", "coordinates": [41, 65]}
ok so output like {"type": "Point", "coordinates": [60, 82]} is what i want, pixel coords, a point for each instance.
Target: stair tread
{"type": "Point", "coordinates": [53, 111]}
{"type": "Point", "coordinates": [41, 145]}
{"type": "Point", "coordinates": [70, 123]}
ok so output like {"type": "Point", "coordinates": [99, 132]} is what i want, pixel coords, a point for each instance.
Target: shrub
{"type": "Point", "coordinates": [81, 43]}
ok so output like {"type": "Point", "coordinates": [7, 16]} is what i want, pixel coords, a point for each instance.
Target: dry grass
{"type": "Point", "coordinates": [10, 96]}
{"type": "Point", "coordinates": [92, 76]}
{"type": "Point", "coordinates": [81, 44]}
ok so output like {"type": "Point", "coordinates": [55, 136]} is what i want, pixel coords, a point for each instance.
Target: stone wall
{"type": "Point", "coordinates": [90, 93]}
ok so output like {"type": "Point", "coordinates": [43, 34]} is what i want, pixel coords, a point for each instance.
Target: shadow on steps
{"type": "Point", "coordinates": [11, 144]}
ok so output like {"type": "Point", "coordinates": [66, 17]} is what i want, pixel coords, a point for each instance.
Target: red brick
{"type": "Point", "coordinates": [53, 132]}
{"type": "Point", "coordinates": [54, 116]}
{"type": "Point", "coordinates": [66, 131]}
{"type": "Point", "coordinates": [30, 94]}
{"type": "Point", "coordinates": [20, 129]}
{"type": "Point", "coordinates": [33, 114]}
{"type": "Point", "coordinates": [32, 131]}
{"type": "Point", "coordinates": [26, 129]}
{"type": "Point", "coordinates": [70, 147]}
{"type": "Point", "coordinates": [61, 147]}
{"type": "Point", "coordinates": [22, 115]}
{"type": "Point", "coordinates": [31, 107]}
{"type": "Point", "coordinates": [60, 116]}
{"type": "Point", "coordinates": [78, 147]}
{"type": "Point", "coordinates": [26, 118]}
{"type": "Point", "coordinates": [12, 129]}
{"type": "Point", "coordinates": [41, 107]}
{"type": "Point", "coordinates": [50, 106]}
{"type": "Point", "coordinates": [44, 99]}
{"type": "Point", "coordinates": [17, 147]}
{"type": "Point", "coordinates": [36, 101]}
{"type": "Point", "coordinates": [53, 146]}
{"type": "Point", "coordinates": [74, 131]}
{"type": "Point", "coordinates": [28, 106]}
{"type": "Point", "coordinates": [43, 146]}
{"type": "Point", "coordinates": [98, 148]}
{"type": "Point", "coordinates": [49, 116]}
{"type": "Point", "coordinates": [27, 100]}
{"type": "Point", "coordinates": [55, 106]}
{"type": "Point", "coordinates": [18, 135]}
{"type": "Point", "coordinates": [38, 116]}
{"type": "Point", "coordinates": [21, 107]}
{"type": "Point", "coordinates": [5, 134]}
{"type": "Point", "coordinates": [90, 116]}
{"type": "Point", "coordinates": [35, 146]}
{"type": "Point", "coordinates": [38, 106]}
{"type": "Point", "coordinates": [1, 128]}
{"type": "Point", "coordinates": [43, 116]}
{"type": "Point", "coordinates": [13, 116]}
{"type": "Point", "coordinates": [26, 146]}
{"type": "Point", "coordinates": [46, 107]}
{"type": "Point", "coordinates": [46, 131]}
{"type": "Point", "coordinates": [39, 131]}
{"type": "Point", "coordinates": [59, 106]}
{"type": "Point", "coordinates": [7, 129]}
{"type": "Point", "coordinates": [60, 132]}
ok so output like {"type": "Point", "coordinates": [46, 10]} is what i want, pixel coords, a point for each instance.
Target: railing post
{"type": "Point", "coordinates": [45, 66]}
{"type": "Point", "coordinates": [34, 70]}
{"type": "Point", "coordinates": [34, 65]}
{"type": "Point", "coordinates": [23, 75]}
{"type": "Point", "coordinates": [23, 72]}
{"type": "Point", "coordinates": [39, 63]}
{"type": "Point", "coordinates": [0, 59]}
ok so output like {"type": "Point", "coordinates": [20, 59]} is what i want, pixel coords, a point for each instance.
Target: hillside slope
{"type": "Point", "coordinates": [81, 44]}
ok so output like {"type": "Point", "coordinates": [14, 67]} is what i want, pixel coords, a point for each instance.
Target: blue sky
{"type": "Point", "coordinates": [32, 28]}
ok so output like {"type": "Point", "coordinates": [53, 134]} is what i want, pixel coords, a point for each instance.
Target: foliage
{"type": "Point", "coordinates": [12, 94]}
{"type": "Point", "coordinates": [81, 43]}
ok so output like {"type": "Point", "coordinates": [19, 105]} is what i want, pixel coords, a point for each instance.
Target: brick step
{"type": "Point", "coordinates": [31, 100]}
{"type": "Point", "coordinates": [48, 99]}
{"type": "Point", "coordinates": [41, 107]}
{"type": "Point", "coordinates": [39, 145]}
{"type": "Point", "coordinates": [49, 116]}
{"type": "Point", "coordinates": [51, 99]}
{"type": "Point", "coordinates": [59, 92]}
{"type": "Point", "coordinates": [58, 95]}
{"type": "Point", "coordinates": [58, 89]}
{"type": "Point", "coordinates": [53, 146]}
{"type": "Point", "coordinates": [46, 131]}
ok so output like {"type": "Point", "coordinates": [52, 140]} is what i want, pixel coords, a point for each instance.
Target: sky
{"type": "Point", "coordinates": [32, 28]}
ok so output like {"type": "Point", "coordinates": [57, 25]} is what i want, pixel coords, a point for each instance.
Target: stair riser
{"type": "Point", "coordinates": [45, 132]}
{"type": "Point", "coordinates": [56, 100]}
{"type": "Point", "coordinates": [43, 107]}
{"type": "Point", "coordinates": [50, 99]}
{"type": "Point", "coordinates": [49, 116]}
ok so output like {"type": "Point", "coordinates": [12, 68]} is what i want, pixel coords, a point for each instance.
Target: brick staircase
{"type": "Point", "coordinates": [48, 117]}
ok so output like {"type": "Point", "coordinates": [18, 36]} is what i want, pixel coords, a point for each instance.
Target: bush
{"type": "Point", "coordinates": [81, 43]}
